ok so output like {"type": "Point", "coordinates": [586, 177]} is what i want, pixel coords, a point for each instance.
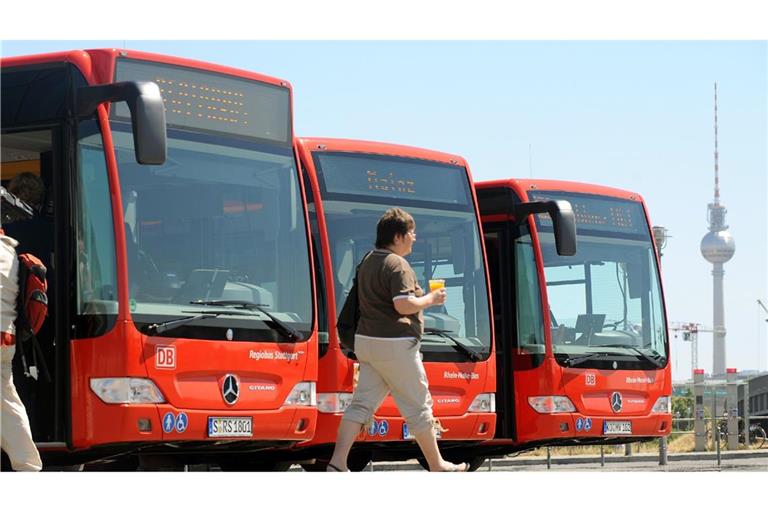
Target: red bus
{"type": "Point", "coordinates": [349, 185]}
{"type": "Point", "coordinates": [182, 323]}
{"type": "Point", "coordinates": [582, 342]}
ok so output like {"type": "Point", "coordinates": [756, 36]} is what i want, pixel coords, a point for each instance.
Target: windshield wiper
{"type": "Point", "coordinates": [172, 324]}
{"type": "Point", "coordinates": [571, 361]}
{"type": "Point", "coordinates": [655, 359]}
{"type": "Point", "coordinates": [474, 356]}
{"type": "Point", "coordinates": [286, 329]}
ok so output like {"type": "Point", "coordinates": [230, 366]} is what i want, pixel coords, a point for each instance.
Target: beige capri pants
{"type": "Point", "coordinates": [15, 434]}
{"type": "Point", "coordinates": [391, 365]}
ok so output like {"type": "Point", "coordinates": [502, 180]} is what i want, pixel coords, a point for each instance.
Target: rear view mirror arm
{"type": "Point", "coordinates": [563, 220]}
{"type": "Point", "coordinates": [147, 114]}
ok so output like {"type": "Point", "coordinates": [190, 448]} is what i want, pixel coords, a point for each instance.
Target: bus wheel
{"type": "Point", "coordinates": [474, 463]}
{"type": "Point", "coordinates": [358, 461]}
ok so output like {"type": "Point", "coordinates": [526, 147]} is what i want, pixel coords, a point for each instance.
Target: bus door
{"type": "Point", "coordinates": [36, 100]}
{"type": "Point", "coordinates": [526, 375]}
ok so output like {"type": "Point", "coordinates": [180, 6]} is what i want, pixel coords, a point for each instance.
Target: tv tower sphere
{"type": "Point", "coordinates": [718, 246]}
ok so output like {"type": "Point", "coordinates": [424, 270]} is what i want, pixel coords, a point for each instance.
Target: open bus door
{"type": "Point", "coordinates": [520, 345]}
{"type": "Point", "coordinates": [42, 104]}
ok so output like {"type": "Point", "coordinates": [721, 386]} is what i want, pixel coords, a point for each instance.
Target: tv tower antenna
{"type": "Point", "coordinates": [717, 247]}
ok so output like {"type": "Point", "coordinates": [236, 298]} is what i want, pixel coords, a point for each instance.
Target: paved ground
{"type": "Point", "coordinates": [756, 460]}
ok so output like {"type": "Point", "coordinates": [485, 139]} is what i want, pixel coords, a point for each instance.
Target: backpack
{"type": "Point", "coordinates": [346, 324]}
{"type": "Point", "coordinates": [31, 310]}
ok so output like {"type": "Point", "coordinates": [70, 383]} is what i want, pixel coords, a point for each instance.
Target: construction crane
{"type": "Point", "coordinates": [764, 308]}
{"type": "Point", "coordinates": [690, 332]}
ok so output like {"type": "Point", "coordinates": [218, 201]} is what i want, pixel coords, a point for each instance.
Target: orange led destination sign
{"type": "Point", "coordinates": [389, 177]}
{"type": "Point", "coordinates": [212, 102]}
{"type": "Point", "coordinates": [597, 212]}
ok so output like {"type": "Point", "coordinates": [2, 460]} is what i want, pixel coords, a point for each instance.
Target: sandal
{"type": "Point", "coordinates": [459, 468]}
{"type": "Point", "coordinates": [334, 468]}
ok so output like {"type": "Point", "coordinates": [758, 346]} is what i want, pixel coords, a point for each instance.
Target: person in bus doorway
{"type": "Point", "coordinates": [387, 343]}
{"type": "Point", "coordinates": [35, 236]}
{"type": "Point", "coordinates": [15, 434]}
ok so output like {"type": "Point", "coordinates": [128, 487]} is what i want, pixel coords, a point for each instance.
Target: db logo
{"type": "Point", "coordinates": [165, 356]}
{"type": "Point", "coordinates": [590, 379]}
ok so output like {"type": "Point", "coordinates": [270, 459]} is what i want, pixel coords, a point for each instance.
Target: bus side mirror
{"type": "Point", "coordinates": [147, 114]}
{"type": "Point", "coordinates": [563, 220]}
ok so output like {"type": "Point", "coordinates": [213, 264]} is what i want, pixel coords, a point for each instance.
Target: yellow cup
{"type": "Point", "coordinates": [436, 284]}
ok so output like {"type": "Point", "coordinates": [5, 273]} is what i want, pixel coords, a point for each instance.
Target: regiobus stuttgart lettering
{"type": "Point", "coordinates": [274, 355]}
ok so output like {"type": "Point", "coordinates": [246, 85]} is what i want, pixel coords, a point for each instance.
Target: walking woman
{"type": "Point", "coordinates": [387, 343]}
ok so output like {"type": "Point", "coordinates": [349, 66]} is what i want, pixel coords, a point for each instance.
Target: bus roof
{"type": "Point", "coordinates": [98, 65]}
{"type": "Point", "coordinates": [524, 185]}
{"type": "Point", "coordinates": [380, 148]}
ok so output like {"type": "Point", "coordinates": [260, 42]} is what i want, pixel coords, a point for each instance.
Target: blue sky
{"type": "Point", "coordinates": [632, 115]}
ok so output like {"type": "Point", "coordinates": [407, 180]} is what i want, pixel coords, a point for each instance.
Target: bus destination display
{"type": "Point", "coordinates": [390, 177]}
{"type": "Point", "coordinates": [597, 213]}
{"type": "Point", "coordinates": [213, 102]}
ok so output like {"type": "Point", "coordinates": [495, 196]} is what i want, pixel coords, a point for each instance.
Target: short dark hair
{"type": "Point", "coordinates": [29, 188]}
{"type": "Point", "coordinates": [395, 221]}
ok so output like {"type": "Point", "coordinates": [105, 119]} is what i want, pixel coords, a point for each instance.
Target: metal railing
{"type": "Point", "coordinates": [755, 432]}
{"type": "Point", "coordinates": [757, 438]}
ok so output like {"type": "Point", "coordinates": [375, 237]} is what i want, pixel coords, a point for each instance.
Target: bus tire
{"type": "Point", "coordinates": [359, 461]}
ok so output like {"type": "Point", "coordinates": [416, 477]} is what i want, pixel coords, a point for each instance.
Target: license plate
{"type": "Point", "coordinates": [617, 427]}
{"type": "Point", "coordinates": [408, 435]}
{"type": "Point", "coordinates": [230, 427]}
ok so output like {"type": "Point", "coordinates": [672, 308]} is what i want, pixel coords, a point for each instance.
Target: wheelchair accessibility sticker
{"type": "Point", "coordinates": [182, 422]}
{"type": "Point", "coordinates": [383, 428]}
{"type": "Point", "coordinates": [588, 424]}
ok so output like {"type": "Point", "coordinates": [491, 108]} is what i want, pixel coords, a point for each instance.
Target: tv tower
{"type": "Point", "coordinates": [717, 247]}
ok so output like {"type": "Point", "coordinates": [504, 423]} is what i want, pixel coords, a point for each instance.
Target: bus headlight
{"type": "Point", "coordinates": [333, 402]}
{"type": "Point", "coordinates": [484, 402]}
{"type": "Point", "coordinates": [663, 405]}
{"type": "Point", "coordinates": [551, 404]}
{"type": "Point", "coordinates": [302, 393]}
{"type": "Point", "coordinates": [127, 390]}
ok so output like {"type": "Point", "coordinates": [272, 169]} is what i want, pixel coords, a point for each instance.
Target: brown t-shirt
{"type": "Point", "coordinates": [384, 276]}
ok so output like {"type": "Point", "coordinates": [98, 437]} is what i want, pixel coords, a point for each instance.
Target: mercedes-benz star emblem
{"type": "Point", "coordinates": [616, 401]}
{"type": "Point", "coordinates": [230, 389]}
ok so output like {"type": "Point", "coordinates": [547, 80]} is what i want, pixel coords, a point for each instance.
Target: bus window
{"type": "Point", "coordinates": [95, 241]}
{"type": "Point", "coordinates": [530, 333]}
{"type": "Point", "coordinates": [218, 221]}
{"type": "Point", "coordinates": [319, 266]}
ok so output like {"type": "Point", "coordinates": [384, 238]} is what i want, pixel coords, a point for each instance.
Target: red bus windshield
{"type": "Point", "coordinates": [221, 220]}
{"type": "Point", "coordinates": [357, 188]}
{"type": "Point", "coordinates": [605, 302]}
